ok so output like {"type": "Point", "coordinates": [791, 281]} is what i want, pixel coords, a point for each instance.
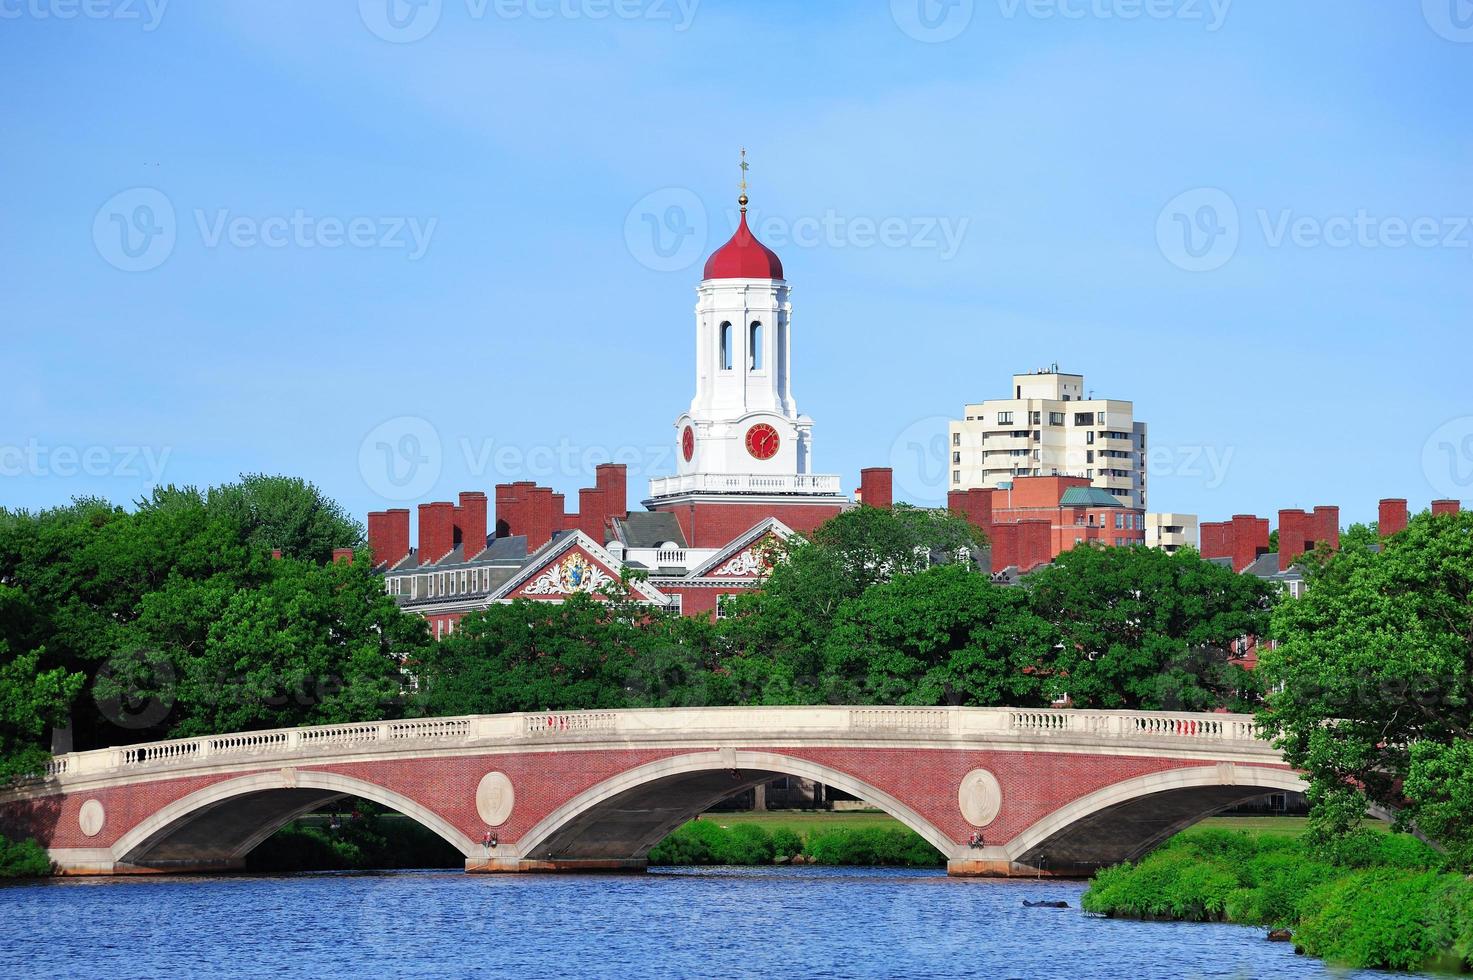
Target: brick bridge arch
{"type": "Point", "coordinates": [225, 821]}
{"type": "Point", "coordinates": [620, 820]}
{"type": "Point", "coordinates": [996, 790]}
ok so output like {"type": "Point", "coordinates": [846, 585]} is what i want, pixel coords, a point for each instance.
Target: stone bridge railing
{"type": "Point", "coordinates": [1163, 731]}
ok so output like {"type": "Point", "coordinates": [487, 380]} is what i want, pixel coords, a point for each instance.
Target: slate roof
{"type": "Point", "coordinates": [648, 529]}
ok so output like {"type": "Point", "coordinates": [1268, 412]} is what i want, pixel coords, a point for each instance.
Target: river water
{"type": "Point", "coordinates": [769, 922]}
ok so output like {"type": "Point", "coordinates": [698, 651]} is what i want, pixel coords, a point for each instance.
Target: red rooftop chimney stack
{"type": "Point", "coordinates": [613, 480]}
{"type": "Point", "coordinates": [877, 487]}
{"type": "Point", "coordinates": [388, 537]}
{"type": "Point", "coordinates": [1392, 518]}
{"type": "Point", "coordinates": [436, 531]}
{"type": "Point", "coordinates": [471, 518]}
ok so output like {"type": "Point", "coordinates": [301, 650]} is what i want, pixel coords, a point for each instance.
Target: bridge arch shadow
{"type": "Point", "coordinates": [619, 821]}
{"type": "Point", "coordinates": [216, 827]}
{"type": "Point", "coordinates": [1127, 820]}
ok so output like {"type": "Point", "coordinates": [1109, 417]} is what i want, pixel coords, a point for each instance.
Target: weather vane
{"type": "Point", "coordinates": [745, 167]}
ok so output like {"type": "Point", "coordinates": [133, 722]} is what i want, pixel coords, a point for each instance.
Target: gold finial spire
{"type": "Point", "coordinates": [745, 167]}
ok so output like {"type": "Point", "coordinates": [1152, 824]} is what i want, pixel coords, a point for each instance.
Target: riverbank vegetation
{"type": "Point", "coordinates": [1372, 681]}
{"type": "Point", "coordinates": [714, 841]}
{"type": "Point", "coordinates": [1387, 902]}
{"type": "Point", "coordinates": [1370, 685]}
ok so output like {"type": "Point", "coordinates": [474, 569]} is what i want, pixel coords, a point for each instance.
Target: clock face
{"type": "Point", "coordinates": [762, 441]}
{"type": "Point", "coordinates": [688, 443]}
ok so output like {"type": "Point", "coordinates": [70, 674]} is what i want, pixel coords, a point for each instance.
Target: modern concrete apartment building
{"type": "Point", "coordinates": [1172, 532]}
{"type": "Point", "coordinates": [1051, 426]}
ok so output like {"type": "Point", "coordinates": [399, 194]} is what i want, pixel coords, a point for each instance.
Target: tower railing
{"type": "Point", "coordinates": [808, 483]}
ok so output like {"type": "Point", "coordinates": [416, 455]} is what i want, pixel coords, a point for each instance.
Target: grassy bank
{"type": "Point", "coordinates": [1389, 904]}
{"type": "Point", "coordinates": [751, 839]}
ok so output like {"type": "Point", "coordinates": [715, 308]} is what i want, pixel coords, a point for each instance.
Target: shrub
{"type": "Point", "coordinates": [786, 843]}
{"type": "Point", "coordinates": [871, 846]}
{"type": "Point", "coordinates": [1379, 918]}
{"type": "Point", "coordinates": [23, 859]}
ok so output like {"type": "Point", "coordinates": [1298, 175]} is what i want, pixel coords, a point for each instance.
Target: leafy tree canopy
{"type": "Point", "coordinates": [1373, 683]}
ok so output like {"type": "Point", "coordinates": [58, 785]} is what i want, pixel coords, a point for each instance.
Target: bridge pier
{"type": "Point", "coordinates": [77, 862]}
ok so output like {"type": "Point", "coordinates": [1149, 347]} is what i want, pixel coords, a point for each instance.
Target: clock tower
{"type": "Point", "coordinates": [743, 442]}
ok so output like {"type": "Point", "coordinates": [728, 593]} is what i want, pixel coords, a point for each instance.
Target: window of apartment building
{"type": "Point", "coordinates": [1004, 418]}
{"type": "Point", "coordinates": [1055, 418]}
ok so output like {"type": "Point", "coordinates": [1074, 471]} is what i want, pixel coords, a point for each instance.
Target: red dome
{"type": "Point", "coordinates": [744, 257]}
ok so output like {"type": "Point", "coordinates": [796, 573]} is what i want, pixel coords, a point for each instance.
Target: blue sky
{"type": "Point", "coordinates": [299, 237]}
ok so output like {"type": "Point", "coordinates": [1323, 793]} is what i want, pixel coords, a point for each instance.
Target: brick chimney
{"type": "Point", "coordinates": [877, 487]}
{"type": "Point", "coordinates": [1296, 536]}
{"type": "Point", "coordinates": [1440, 507]}
{"type": "Point", "coordinates": [975, 505]}
{"type": "Point", "coordinates": [539, 517]}
{"type": "Point", "coordinates": [436, 531]}
{"type": "Point", "coordinates": [592, 510]}
{"type": "Point", "coordinates": [1392, 518]}
{"type": "Point", "coordinates": [613, 480]}
{"type": "Point", "coordinates": [388, 537]}
{"type": "Point", "coordinates": [1249, 538]}
{"type": "Point", "coordinates": [1325, 526]}
{"type": "Point", "coordinates": [470, 519]}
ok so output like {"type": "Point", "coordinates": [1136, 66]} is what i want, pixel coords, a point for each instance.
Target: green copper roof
{"type": "Point", "coordinates": [1088, 497]}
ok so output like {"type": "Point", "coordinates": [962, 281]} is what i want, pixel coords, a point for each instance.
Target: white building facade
{"type": "Point", "coordinates": [1051, 426]}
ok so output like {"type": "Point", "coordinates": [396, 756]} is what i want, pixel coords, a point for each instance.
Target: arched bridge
{"type": "Point", "coordinates": [998, 791]}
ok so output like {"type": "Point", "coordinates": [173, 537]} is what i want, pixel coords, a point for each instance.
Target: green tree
{"type": "Point", "coordinates": [946, 635]}
{"type": "Point", "coordinates": [1373, 683]}
{"type": "Point", "coordinates": [315, 644]}
{"type": "Point", "coordinates": [534, 656]}
{"type": "Point", "coordinates": [1140, 628]}
{"type": "Point", "coordinates": [777, 633]}
{"type": "Point", "coordinates": [286, 513]}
